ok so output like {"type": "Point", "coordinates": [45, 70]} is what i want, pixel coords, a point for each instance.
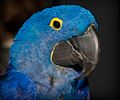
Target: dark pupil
{"type": "Point", "coordinates": [56, 24]}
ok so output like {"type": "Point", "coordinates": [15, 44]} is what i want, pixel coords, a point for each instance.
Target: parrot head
{"type": "Point", "coordinates": [64, 36]}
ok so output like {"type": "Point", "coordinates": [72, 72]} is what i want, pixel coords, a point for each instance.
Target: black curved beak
{"type": "Point", "coordinates": [83, 50]}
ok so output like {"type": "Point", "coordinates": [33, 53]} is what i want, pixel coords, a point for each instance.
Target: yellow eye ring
{"type": "Point", "coordinates": [56, 23]}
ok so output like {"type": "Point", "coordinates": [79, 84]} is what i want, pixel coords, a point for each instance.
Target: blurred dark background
{"type": "Point", "coordinates": [104, 81]}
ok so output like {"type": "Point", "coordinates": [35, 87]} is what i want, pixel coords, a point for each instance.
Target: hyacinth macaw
{"type": "Point", "coordinates": [52, 54]}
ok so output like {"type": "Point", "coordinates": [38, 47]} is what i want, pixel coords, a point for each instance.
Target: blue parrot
{"type": "Point", "coordinates": [52, 54]}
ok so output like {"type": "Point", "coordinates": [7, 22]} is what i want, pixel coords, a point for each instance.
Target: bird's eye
{"type": "Point", "coordinates": [56, 23]}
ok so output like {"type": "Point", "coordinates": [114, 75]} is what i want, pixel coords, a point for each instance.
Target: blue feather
{"type": "Point", "coordinates": [17, 86]}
